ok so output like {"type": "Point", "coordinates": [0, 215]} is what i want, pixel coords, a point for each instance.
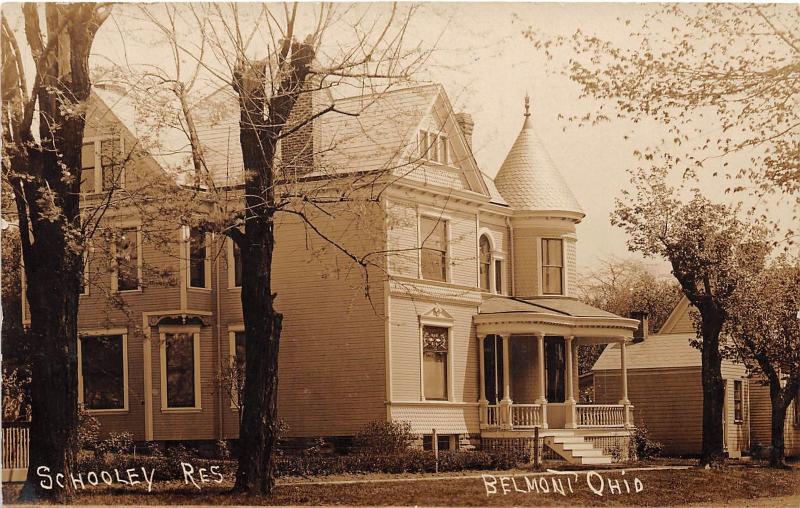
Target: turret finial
{"type": "Point", "coordinates": [527, 105]}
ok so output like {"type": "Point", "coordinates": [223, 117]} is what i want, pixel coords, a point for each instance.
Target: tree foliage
{"type": "Point", "coordinates": [711, 251]}
{"type": "Point", "coordinates": [724, 79]}
{"type": "Point", "coordinates": [763, 331]}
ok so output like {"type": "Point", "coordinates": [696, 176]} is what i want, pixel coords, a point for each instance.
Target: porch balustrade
{"type": "Point", "coordinates": [601, 415]}
{"type": "Point", "coordinates": [493, 415]}
{"type": "Point", "coordinates": [526, 416]}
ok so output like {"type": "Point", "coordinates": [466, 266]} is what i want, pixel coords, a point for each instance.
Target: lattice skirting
{"type": "Point", "coordinates": [521, 444]}
{"type": "Point", "coordinates": [616, 447]}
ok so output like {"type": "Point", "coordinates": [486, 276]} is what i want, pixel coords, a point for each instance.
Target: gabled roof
{"type": "Point", "coordinates": [528, 178]}
{"type": "Point", "coordinates": [655, 352]}
{"type": "Point", "coordinates": [367, 132]}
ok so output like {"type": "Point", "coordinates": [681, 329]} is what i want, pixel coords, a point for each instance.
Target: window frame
{"type": "Point", "coordinates": [232, 264]}
{"type": "Point", "coordinates": [115, 272]}
{"type": "Point", "coordinates": [495, 257]}
{"type": "Point", "coordinates": [433, 147]}
{"type": "Point", "coordinates": [738, 419]}
{"type": "Point", "coordinates": [97, 185]}
{"type": "Point", "coordinates": [232, 331]}
{"type": "Point", "coordinates": [163, 331]}
{"type": "Point", "coordinates": [86, 261]}
{"type": "Point", "coordinates": [489, 263]}
{"type": "Point", "coordinates": [542, 242]}
{"type": "Point", "coordinates": [188, 259]}
{"type": "Point", "coordinates": [445, 219]}
{"type": "Point", "coordinates": [105, 332]}
{"type": "Point", "coordinates": [437, 323]}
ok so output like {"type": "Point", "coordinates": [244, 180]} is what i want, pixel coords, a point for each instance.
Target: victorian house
{"type": "Point", "coordinates": [472, 328]}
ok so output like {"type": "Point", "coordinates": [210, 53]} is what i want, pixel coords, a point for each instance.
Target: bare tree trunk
{"type": "Point", "coordinates": [45, 175]}
{"type": "Point", "coordinates": [713, 387]}
{"type": "Point", "coordinates": [777, 451]}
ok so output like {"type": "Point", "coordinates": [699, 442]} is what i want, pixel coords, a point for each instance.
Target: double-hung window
{"type": "Point", "coordinates": [435, 341]}
{"type": "Point", "coordinates": [180, 375]}
{"type": "Point", "coordinates": [198, 254]}
{"type": "Point", "coordinates": [485, 262]}
{"type": "Point", "coordinates": [88, 163]}
{"type": "Point", "coordinates": [127, 257]}
{"type": "Point", "coordinates": [235, 265]}
{"type": "Point", "coordinates": [103, 372]}
{"type": "Point", "coordinates": [552, 266]}
{"type": "Point", "coordinates": [433, 255]}
{"type": "Point", "coordinates": [738, 402]}
{"type": "Point", "coordinates": [102, 167]}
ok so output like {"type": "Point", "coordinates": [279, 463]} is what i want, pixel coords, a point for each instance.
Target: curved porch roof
{"type": "Point", "coordinates": [501, 315]}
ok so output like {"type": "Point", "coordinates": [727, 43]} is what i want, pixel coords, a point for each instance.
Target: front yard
{"type": "Point", "coordinates": [733, 485]}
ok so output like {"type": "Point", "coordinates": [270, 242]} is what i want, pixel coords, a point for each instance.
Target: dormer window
{"type": "Point", "coordinates": [552, 266]}
{"type": "Point", "coordinates": [434, 147]}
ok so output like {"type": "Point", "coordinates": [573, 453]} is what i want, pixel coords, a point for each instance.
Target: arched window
{"type": "Point", "coordinates": [485, 263]}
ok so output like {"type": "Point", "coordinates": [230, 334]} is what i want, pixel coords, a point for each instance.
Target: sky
{"type": "Point", "coordinates": [487, 66]}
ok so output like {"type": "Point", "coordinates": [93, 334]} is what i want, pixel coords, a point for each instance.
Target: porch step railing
{"type": "Point", "coordinates": [526, 416]}
{"type": "Point", "coordinates": [601, 415]}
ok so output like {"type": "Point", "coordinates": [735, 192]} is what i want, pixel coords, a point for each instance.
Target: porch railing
{"type": "Point", "coordinates": [15, 450]}
{"type": "Point", "coordinates": [601, 415]}
{"type": "Point", "coordinates": [526, 416]}
{"type": "Point", "coordinates": [493, 415]}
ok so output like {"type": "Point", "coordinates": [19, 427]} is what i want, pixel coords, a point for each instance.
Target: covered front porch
{"type": "Point", "coordinates": [529, 354]}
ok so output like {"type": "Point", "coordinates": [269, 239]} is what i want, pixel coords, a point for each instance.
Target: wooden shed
{"type": "Point", "coordinates": [665, 388]}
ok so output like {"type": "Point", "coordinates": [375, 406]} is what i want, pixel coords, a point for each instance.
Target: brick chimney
{"type": "Point", "coordinates": [644, 325]}
{"type": "Point", "coordinates": [297, 149]}
{"type": "Point", "coordinates": [466, 124]}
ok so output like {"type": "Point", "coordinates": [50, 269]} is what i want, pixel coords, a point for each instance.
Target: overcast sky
{"type": "Point", "coordinates": [487, 66]}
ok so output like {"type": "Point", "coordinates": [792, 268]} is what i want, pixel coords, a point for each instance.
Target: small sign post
{"type": "Point", "coordinates": [435, 443]}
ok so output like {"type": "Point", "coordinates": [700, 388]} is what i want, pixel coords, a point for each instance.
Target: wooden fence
{"type": "Point", "coordinates": [15, 451]}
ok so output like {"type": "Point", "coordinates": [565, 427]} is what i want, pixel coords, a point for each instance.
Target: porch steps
{"type": "Point", "coordinates": [575, 449]}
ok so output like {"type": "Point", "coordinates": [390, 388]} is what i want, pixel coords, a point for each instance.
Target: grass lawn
{"type": "Point", "coordinates": [658, 488]}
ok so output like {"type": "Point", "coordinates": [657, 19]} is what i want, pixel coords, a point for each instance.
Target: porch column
{"type": "Point", "coordinates": [576, 384]}
{"type": "Point", "coordinates": [482, 402]}
{"type": "Point", "coordinates": [505, 404]}
{"type": "Point", "coordinates": [569, 421]}
{"type": "Point", "coordinates": [542, 398]}
{"type": "Point", "coordinates": [624, 383]}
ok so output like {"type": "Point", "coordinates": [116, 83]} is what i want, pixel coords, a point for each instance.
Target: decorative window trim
{"type": "Point", "coordinates": [163, 331]}
{"type": "Point", "coordinates": [231, 262]}
{"type": "Point", "coordinates": [101, 333]}
{"type": "Point", "coordinates": [439, 318]}
{"type": "Point", "coordinates": [540, 265]}
{"type": "Point", "coordinates": [98, 162]}
{"type": "Point", "coordinates": [187, 260]}
{"type": "Point", "coordinates": [432, 213]}
{"type": "Point", "coordinates": [114, 272]}
{"type": "Point", "coordinates": [495, 254]}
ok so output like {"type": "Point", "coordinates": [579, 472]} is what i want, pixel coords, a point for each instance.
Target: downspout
{"type": "Point", "coordinates": [511, 254]}
{"type": "Point", "coordinates": [217, 315]}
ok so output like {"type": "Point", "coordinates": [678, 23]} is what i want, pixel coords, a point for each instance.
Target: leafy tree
{"type": "Point", "coordinates": [722, 79]}
{"type": "Point", "coordinates": [44, 172]}
{"type": "Point", "coordinates": [624, 286]}
{"type": "Point", "coordinates": [711, 251]}
{"type": "Point", "coordinates": [763, 329]}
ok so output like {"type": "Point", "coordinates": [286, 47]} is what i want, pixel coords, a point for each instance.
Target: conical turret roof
{"type": "Point", "coordinates": [529, 180]}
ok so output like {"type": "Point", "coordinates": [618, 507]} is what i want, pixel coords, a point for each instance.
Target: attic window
{"type": "Point", "coordinates": [434, 147]}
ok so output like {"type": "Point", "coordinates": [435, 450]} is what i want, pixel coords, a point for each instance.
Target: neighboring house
{"type": "Point", "coordinates": [667, 395]}
{"type": "Point", "coordinates": [472, 329]}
